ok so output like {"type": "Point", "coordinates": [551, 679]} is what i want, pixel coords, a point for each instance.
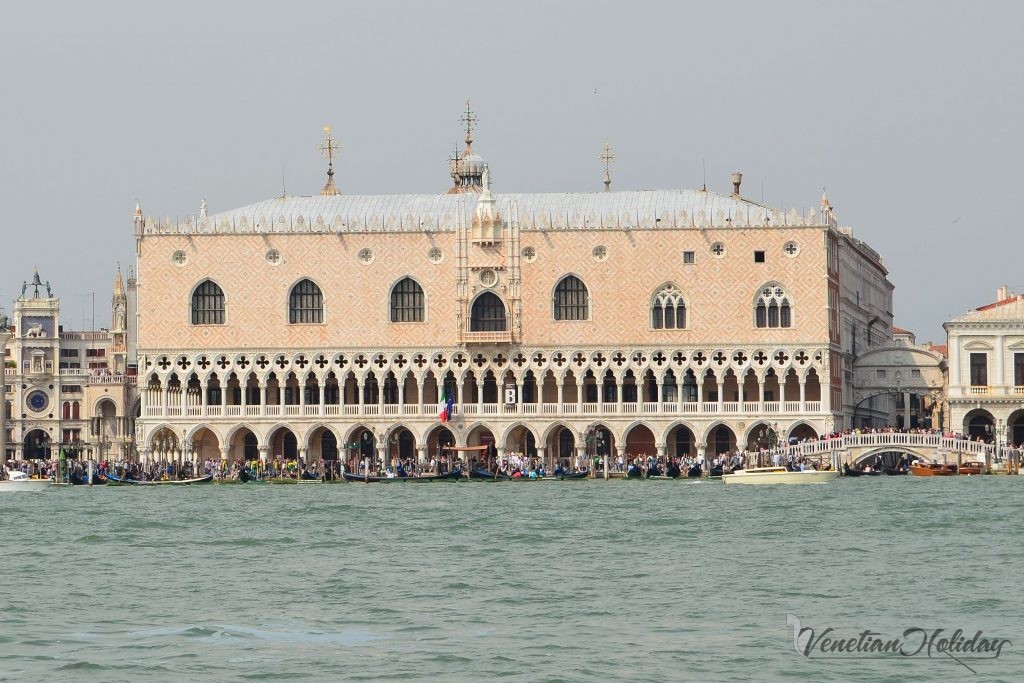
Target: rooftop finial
{"type": "Point", "coordinates": [329, 147]}
{"type": "Point", "coordinates": [469, 119]}
{"type": "Point", "coordinates": [138, 209]}
{"type": "Point", "coordinates": [607, 157]}
{"type": "Point", "coordinates": [455, 163]}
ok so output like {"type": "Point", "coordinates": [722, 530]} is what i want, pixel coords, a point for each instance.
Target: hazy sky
{"type": "Point", "coordinates": [908, 112]}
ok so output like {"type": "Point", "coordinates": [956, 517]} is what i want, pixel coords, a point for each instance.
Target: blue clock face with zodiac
{"type": "Point", "coordinates": [37, 401]}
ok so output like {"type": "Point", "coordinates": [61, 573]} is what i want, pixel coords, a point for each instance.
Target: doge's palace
{"type": "Point", "coordinates": [671, 322]}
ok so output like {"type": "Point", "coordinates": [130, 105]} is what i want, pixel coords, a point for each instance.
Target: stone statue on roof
{"type": "Point", "coordinates": [24, 286]}
{"type": "Point", "coordinates": [3, 322]}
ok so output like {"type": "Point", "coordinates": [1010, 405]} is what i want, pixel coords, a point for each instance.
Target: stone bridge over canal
{"type": "Point", "coordinates": [856, 448]}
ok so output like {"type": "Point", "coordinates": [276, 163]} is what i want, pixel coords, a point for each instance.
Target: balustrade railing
{"type": "Point", "coordinates": [155, 409]}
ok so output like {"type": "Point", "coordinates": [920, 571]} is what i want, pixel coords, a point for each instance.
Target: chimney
{"type": "Point", "coordinates": [1001, 293]}
{"type": "Point", "coordinates": [737, 178]}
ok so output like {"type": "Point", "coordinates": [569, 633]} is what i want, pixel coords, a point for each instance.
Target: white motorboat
{"type": "Point", "coordinates": [779, 475]}
{"type": "Point", "coordinates": [19, 481]}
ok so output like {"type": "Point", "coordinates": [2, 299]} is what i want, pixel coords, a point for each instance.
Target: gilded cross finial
{"type": "Point", "coordinates": [329, 148]}
{"type": "Point", "coordinates": [469, 119]}
{"type": "Point", "coordinates": [607, 157]}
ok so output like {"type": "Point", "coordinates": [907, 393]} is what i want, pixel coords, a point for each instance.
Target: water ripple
{"type": "Point", "coordinates": [580, 581]}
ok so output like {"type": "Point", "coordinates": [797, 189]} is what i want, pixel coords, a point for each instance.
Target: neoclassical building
{"type": "Point", "coordinates": [617, 322]}
{"type": "Point", "coordinates": [986, 370]}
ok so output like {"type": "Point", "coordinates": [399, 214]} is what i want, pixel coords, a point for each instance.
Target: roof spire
{"type": "Point", "coordinates": [118, 283]}
{"type": "Point", "coordinates": [329, 147]}
{"type": "Point", "coordinates": [466, 168]}
{"type": "Point", "coordinates": [470, 119]}
{"type": "Point", "coordinates": [607, 157]}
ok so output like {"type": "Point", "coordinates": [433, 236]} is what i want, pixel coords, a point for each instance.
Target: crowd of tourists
{"type": "Point", "coordinates": [36, 469]}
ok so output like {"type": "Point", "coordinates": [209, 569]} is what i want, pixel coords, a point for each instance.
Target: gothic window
{"type": "Point", "coordinates": [668, 310]}
{"type": "Point", "coordinates": [488, 314]}
{"type": "Point", "coordinates": [208, 304]}
{"type": "Point", "coordinates": [772, 308]}
{"type": "Point", "coordinates": [305, 303]}
{"type": "Point", "coordinates": [571, 299]}
{"type": "Point", "coordinates": [407, 302]}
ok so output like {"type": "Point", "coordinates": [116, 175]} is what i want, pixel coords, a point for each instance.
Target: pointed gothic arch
{"type": "Point", "coordinates": [207, 304]}
{"type": "Point", "coordinates": [668, 308]}
{"type": "Point", "coordinates": [305, 303]}
{"type": "Point", "coordinates": [488, 314]}
{"type": "Point", "coordinates": [570, 299]}
{"type": "Point", "coordinates": [773, 307]}
{"type": "Point", "coordinates": [408, 304]}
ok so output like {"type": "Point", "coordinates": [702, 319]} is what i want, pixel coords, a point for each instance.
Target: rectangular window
{"type": "Point", "coordinates": [688, 257]}
{"type": "Point", "coordinates": [880, 374]}
{"type": "Point", "coordinates": [758, 257]}
{"type": "Point", "coordinates": [1018, 369]}
{"type": "Point", "coordinates": [979, 369]}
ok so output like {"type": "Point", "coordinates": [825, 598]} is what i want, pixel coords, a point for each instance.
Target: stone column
{"type": "Point", "coordinates": [906, 410]}
{"type": "Point", "coordinates": [542, 455]}
{"type": "Point", "coordinates": [263, 400]}
{"type": "Point", "coordinates": [803, 394]}
{"type": "Point", "coordinates": [360, 395]}
{"type": "Point", "coordinates": [225, 453]}
{"type": "Point", "coordinates": [760, 395]}
{"type": "Point", "coordinates": [322, 383]}
{"type": "Point", "coordinates": [660, 388]}
{"type": "Point", "coordinates": [618, 395]}
{"type": "Point", "coordinates": [721, 395]}
{"type": "Point", "coordinates": [660, 447]}
{"type": "Point", "coordinates": [264, 450]}
{"type": "Point", "coordinates": [421, 454]}
{"type": "Point", "coordinates": [560, 389]}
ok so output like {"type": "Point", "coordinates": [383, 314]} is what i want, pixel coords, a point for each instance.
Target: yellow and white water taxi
{"type": "Point", "coordinates": [779, 475]}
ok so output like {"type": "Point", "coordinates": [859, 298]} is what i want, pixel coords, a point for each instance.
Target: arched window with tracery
{"type": "Point", "coordinates": [668, 309]}
{"type": "Point", "coordinates": [407, 302]}
{"type": "Point", "coordinates": [305, 303]}
{"type": "Point", "coordinates": [488, 314]}
{"type": "Point", "coordinates": [773, 308]}
{"type": "Point", "coordinates": [571, 299]}
{"type": "Point", "coordinates": [208, 304]}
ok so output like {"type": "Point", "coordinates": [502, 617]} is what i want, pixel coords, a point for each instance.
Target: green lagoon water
{"type": "Point", "coordinates": [571, 581]}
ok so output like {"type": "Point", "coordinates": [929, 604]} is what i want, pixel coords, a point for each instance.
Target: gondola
{"type": "Point", "coordinates": [83, 479]}
{"type": "Point", "coordinates": [245, 476]}
{"type": "Point", "coordinates": [695, 472]}
{"type": "Point", "coordinates": [851, 472]}
{"type": "Point", "coordinates": [895, 471]}
{"type": "Point", "coordinates": [454, 475]}
{"type": "Point", "coordinates": [486, 475]}
{"type": "Point", "coordinates": [573, 475]}
{"type": "Point", "coordinates": [113, 479]}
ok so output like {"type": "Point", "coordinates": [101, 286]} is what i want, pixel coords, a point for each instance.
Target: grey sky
{"type": "Point", "coordinates": [908, 112]}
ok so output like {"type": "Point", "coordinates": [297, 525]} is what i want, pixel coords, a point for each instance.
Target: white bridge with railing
{"type": "Point", "coordinates": [854, 448]}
